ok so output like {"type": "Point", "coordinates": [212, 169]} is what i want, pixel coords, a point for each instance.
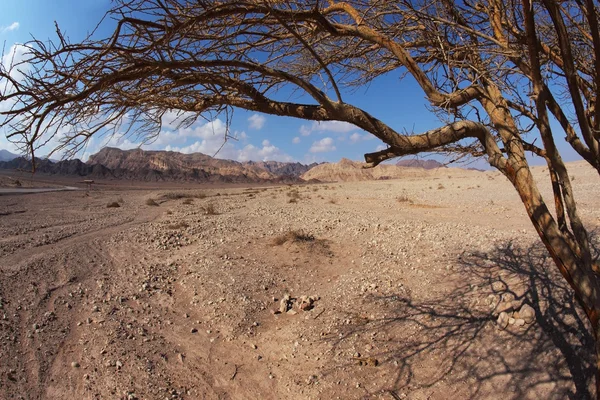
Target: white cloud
{"type": "Point", "coordinates": [256, 121]}
{"type": "Point", "coordinates": [172, 119]}
{"type": "Point", "coordinates": [355, 137]}
{"type": "Point", "coordinates": [12, 27]}
{"type": "Point", "coordinates": [327, 126]}
{"type": "Point", "coordinates": [381, 147]}
{"type": "Point", "coordinates": [266, 153]}
{"type": "Point", "coordinates": [15, 61]}
{"type": "Point", "coordinates": [304, 130]}
{"type": "Point", "coordinates": [322, 146]}
{"type": "Point", "coordinates": [296, 140]}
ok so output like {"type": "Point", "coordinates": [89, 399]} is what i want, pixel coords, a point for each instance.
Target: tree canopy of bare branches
{"type": "Point", "coordinates": [494, 72]}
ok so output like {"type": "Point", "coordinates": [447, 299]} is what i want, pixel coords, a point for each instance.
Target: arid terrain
{"type": "Point", "coordinates": [383, 289]}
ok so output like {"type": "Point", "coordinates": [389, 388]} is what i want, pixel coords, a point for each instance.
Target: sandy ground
{"type": "Point", "coordinates": [393, 288]}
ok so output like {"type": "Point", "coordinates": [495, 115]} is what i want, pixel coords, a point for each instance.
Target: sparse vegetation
{"type": "Point", "coordinates": [463, 55]}
{"type": "Point", "coordinates": [187, 201]}
{"type": "Point", "coordinates": [113, 204]}
{"type": "Point", "coordinates": [440, 186]}
{"type": "Point", "coordinates": [151, 202]}
{"type": "Point", "coordinates": [179, 225]}
{"type": "Point", "coordinates": [209, 209]}
{"type": "Point", "coordinates": [294, 196]}
{"type": "Point", "coordinates": [293, 236]}
{"type": "Point", "coordinates": [404, 199]}
{"type": "Point", "coordinates": [184, 195]}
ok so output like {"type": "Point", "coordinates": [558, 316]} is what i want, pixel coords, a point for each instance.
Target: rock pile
{"type": "Point", "coordinates": [524, 316]}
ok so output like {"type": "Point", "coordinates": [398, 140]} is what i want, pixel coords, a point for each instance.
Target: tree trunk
{"type": "Point", "coordinates": [580, 276]}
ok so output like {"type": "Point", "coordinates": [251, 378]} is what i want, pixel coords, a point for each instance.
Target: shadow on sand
{"type": "Point", "coordinates": [453, 343]}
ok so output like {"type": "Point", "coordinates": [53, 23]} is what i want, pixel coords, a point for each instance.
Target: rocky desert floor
{"type": "Point", "coordinates": [368, 290]}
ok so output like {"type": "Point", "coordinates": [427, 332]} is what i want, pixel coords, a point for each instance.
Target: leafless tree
{"type": "Point", "coordinates": [494, 72]}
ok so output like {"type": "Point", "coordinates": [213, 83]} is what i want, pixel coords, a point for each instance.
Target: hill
{"type": "Point", "coordinates": [352, 171]}
{"type": "Point", "coordinates": [6, 155]}
{"type": "Point", "coordinates": [112, 163]}
{"type": "Point", "coordinates": [419, 163]}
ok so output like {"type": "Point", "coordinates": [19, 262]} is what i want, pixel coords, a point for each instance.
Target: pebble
{"type": "Point", "coordinates": [527, 313]}
{"type": "Point", "coordinates": [502, 320]}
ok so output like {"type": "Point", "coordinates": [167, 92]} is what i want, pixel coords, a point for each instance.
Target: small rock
{"type": "Point", "coordinates": [502, 320]}
{"type": "Point", "coordinates": [119, 364]}
{"type": "Point", "coordinates": [75, 364]}
{"type": "Point", "coordinates": [527, 313]}
{"type": "Point", "coordinates": [283, 305]}
{"type": "Point", "coordinates": [507, 306]}
{"type": "Point", "coordinates": [511, 321]}
{"type": "Point", "coordinates": [519, 322]}
{"type": "Point", "coordinates": [194, 330]}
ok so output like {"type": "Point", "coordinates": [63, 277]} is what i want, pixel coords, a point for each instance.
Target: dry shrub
{"type": "Point", "coordinates": [332, 201]}
{"type": "Point", "coordinates": [184, 195]}
{"type": "Point", "coordinates": [179, 225]}
{"type": "Point", "coordinates": [187, 201]}
{"type": "Point", "coordinates": [113, 204]}
{"type": "Point", "coordinates": [293, 195]}
{"type": "Point", "coordinates": [151, 202]}
{"type": "Point", "coordinates": [440, 186]}
{"type": "Point", "coordinates": [209, 209]}
{"type": "Point", "coordinates": [293, 236]}
{"type": "Point", "coordinates": [404, 199]}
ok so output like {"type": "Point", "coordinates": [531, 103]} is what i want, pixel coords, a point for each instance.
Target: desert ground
{"type": "Point", "coordinates": [367, 290]}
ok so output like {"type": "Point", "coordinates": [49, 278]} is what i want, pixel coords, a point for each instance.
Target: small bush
{"type": "Point", "coordinates": [184, 195]}
{"type": "Point", "coordinates": [113, 204]}
{"type": "Point", "coordinates": [293, 195]}
{"type": "Point", "coordinates": [440, 186]}
{"type": "Point", "coordinates": [404, 199]}
{"type": "Point", "coordinates": [332, 201]}
{"type": "Point", "coordinates": [151, 202]}
{"type": "Point", "coordinates": [179, 225]}
{"type": "Point", "coordinates": [209, 209]}
{"type": "Point", "coordinates": [187, 201]}
{"type": "Point", "coordinates": [293, 236]}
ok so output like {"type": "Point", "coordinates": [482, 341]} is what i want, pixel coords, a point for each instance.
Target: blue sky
{"type": "Point", "coordinates": [260, 137]}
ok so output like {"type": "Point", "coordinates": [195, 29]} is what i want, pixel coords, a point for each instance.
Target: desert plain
{"type": "Point", "coordinates": [386, 289]}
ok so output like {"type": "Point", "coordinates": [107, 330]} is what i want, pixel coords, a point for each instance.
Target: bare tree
{"type": "Point", "coordinates": [494, 72]}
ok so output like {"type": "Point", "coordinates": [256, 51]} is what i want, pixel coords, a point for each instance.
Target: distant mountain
{"type": "Point", "coordinates": [349, 171]}
{"type": "Point", "coordinates": [6, 155]}
{"type": "Point", "coordinates": [65, 168]}
{"type": "Point", "coordinates": [281, 168]}
{"type": "Point", "coordinates": [111, 163]}
{"type": "Point", "coordinates": [168, 165]}
{"type": "Point", "coordinates": [418, 163]}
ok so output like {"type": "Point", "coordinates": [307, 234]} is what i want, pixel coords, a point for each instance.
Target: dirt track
{"type": "Point", "coordinates": [178, 300]}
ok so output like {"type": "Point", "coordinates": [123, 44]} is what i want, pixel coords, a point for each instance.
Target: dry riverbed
{"type": "Point", "coordinates": [382, 290]}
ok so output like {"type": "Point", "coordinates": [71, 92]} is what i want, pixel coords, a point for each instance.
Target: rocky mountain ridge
{"type": "Point", "coordinates": [137, 164]}
{"type": "Point", "coordinates": [352, 171]}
